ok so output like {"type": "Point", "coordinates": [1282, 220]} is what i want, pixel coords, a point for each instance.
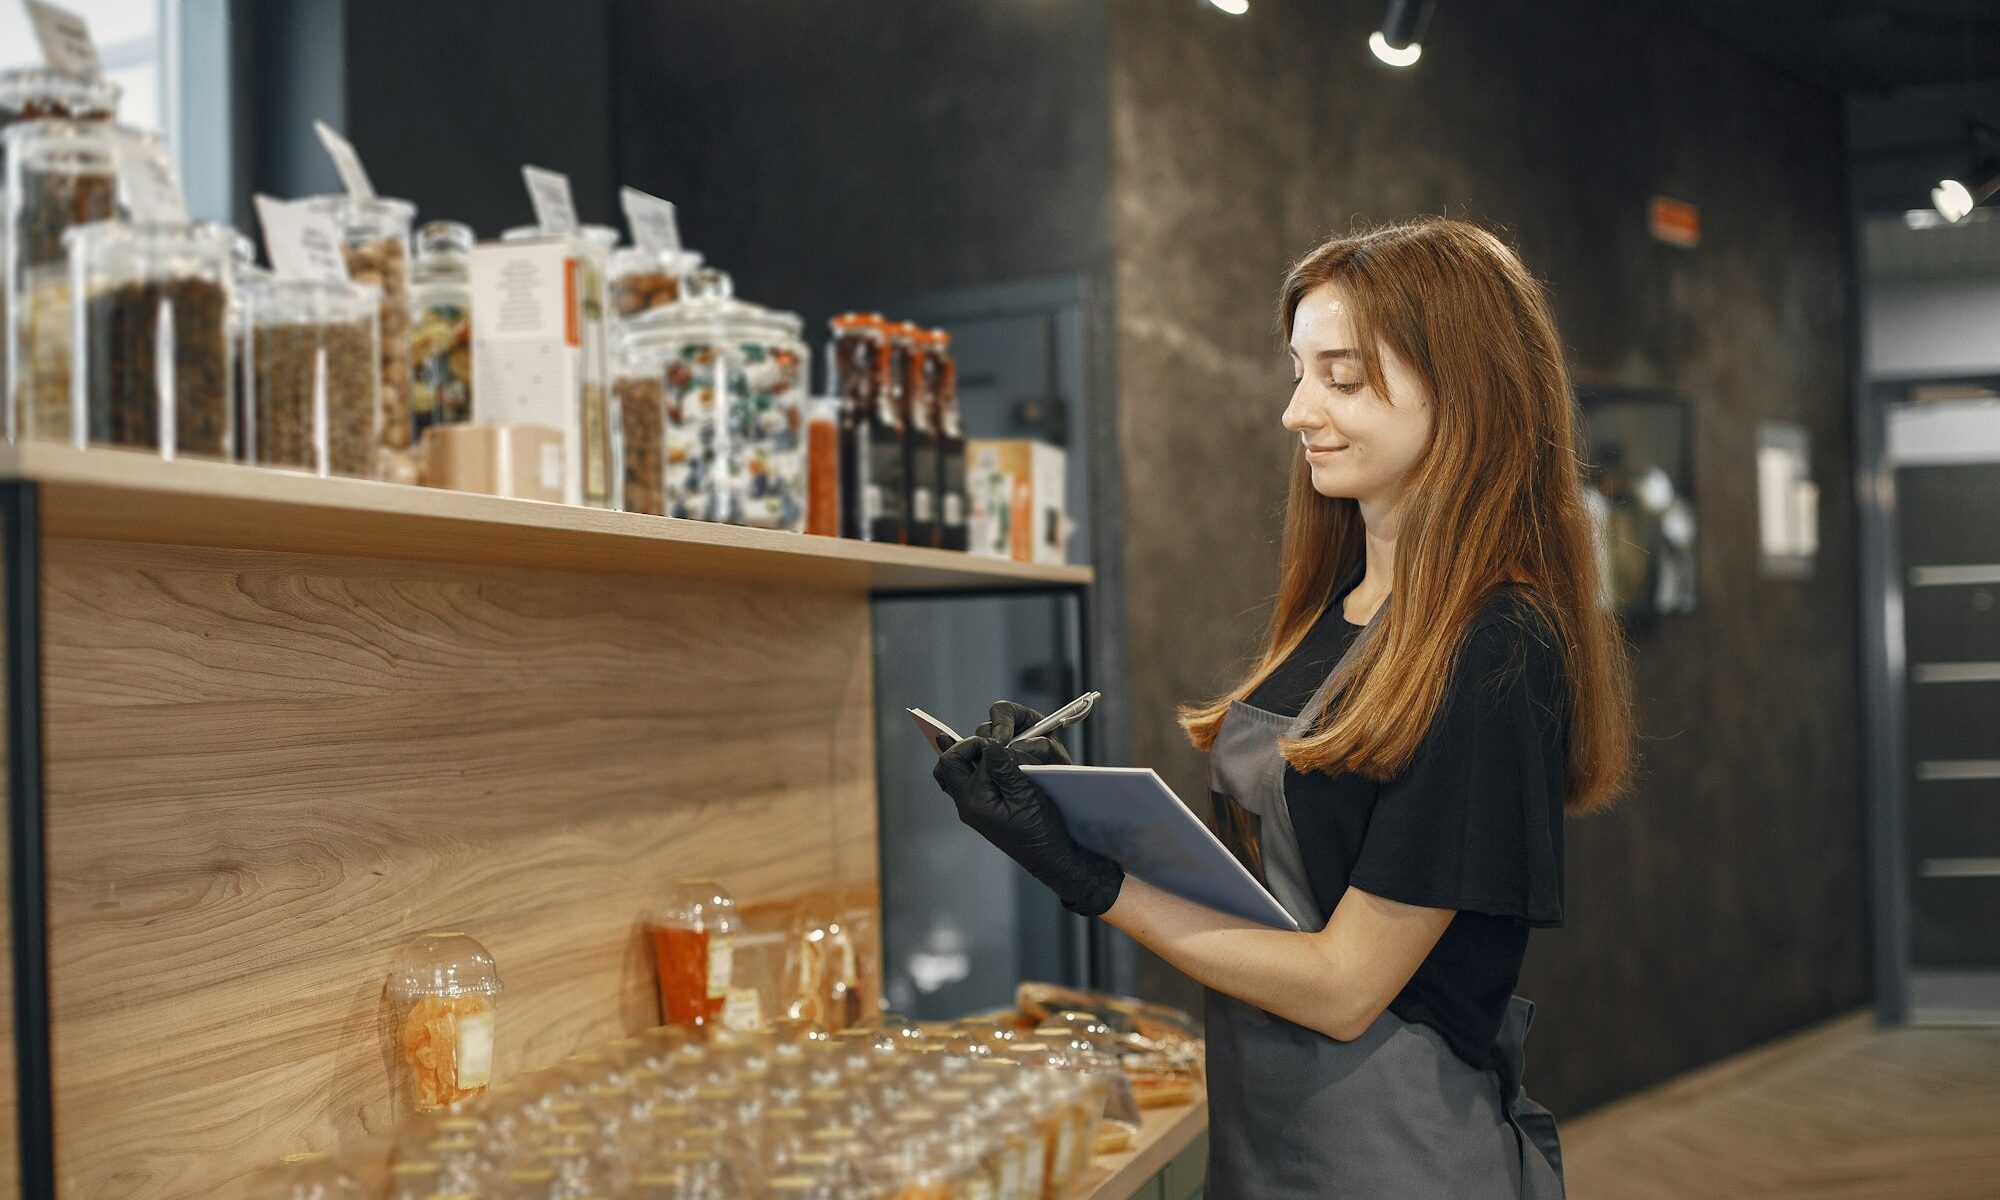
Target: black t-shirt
{"type": "Point", "coordinates": [1473, 823]}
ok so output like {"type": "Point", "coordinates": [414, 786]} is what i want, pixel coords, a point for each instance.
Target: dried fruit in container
{"type": "Point", "coordinates": [445, 988]}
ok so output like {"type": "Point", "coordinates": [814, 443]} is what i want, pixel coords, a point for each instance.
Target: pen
{"type": "Point", "coordinates": [1069, 714]}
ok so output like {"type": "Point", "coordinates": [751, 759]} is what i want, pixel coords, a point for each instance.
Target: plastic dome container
{"type": "Point", "coordinates": [445, 988]}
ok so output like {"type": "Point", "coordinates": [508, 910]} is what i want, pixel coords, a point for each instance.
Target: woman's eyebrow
{"type": "Point", "coordinates": [1324, 355]}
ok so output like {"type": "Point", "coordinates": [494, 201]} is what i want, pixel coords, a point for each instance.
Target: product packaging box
{"type": "Point", "coordinates": [538, 355]}
{"type": "Point", "coordinates": [1019, 509]}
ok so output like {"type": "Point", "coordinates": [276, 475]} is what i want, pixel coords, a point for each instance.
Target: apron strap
{"type": "Point", "coordinates": [1536, 1125]}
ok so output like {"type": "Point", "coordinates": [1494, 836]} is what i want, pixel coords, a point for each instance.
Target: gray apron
{"type": "Point", "coordinates": [1394, 1113]}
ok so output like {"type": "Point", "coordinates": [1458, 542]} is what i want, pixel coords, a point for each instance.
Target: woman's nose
{"type": "Point", "coordinates": [1299, 416]}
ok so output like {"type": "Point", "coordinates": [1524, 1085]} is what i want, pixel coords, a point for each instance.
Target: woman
{"type": "Point", "coordinates": [1438, 686]}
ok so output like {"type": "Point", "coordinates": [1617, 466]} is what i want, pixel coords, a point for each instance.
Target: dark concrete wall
{"type": "Point", "coordinates": [1723, 902]}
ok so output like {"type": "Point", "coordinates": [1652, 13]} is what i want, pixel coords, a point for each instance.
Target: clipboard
{"type": "Point", "coordinates": [1130, 816]}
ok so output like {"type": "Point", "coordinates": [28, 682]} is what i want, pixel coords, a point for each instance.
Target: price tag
{"type": "Point", "coordinates": [347, 161]}
{"type": "Point", "coordinates": [652, 220]}
{"type": "Point", "coordinates": [301, 244]}
{"type": "Point", "coordinates": [146, 175]}
{"type": "Point", "coordinates": [548, 191]}
{"type": "Point", "coordinates": [65, 39]}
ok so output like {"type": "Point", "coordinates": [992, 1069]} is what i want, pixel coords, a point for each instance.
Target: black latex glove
{"type": "Point", "coordinates": [983, 777]}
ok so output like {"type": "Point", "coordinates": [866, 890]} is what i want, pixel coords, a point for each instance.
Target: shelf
{"type": "Point", "coordinates": [115, 495]}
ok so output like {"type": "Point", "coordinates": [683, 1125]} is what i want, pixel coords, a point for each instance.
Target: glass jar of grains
{"type": "Point", "coordinates": [311, 394]}
{"type": "Point", "coordinates": [151, 370]}
{"type": "Point", "coordinates": [60, 174]}
{"type": "Point", "coordinates": [375, 236]}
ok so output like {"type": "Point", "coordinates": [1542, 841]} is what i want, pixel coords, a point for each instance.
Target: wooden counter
{"type": "Point", "coordinates": [1163, 1135]}
{"type": "Point", "coordinates": [288, 723]}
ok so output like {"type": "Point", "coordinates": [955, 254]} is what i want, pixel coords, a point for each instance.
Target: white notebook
{"type": "Point", "coordinates": [1130, 816]}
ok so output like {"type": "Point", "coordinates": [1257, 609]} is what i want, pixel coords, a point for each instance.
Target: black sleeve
{"type": "Point", "coordinates": [1474, 823]}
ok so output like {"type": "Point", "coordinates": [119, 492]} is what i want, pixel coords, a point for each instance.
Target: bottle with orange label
{"type": "Point", "coordinates": [954, 511]}
{"type": "Point", "coordinates": [911, 362]}
{"type": "Point", "coordinates": [873, 490]}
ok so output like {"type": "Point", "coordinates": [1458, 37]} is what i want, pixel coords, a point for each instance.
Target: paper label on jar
{"type": "Point", "coordinates": [300, 243]}
{"type": "Point", "coordinates": [954, 509]}
{"type": "Point", "coordinates": [346, 161]}
{"type": "Point", "coordinates": [549, 192]}
{"type": "Point", "coordinates": [146, 174]}
{"type": "Point", "coordinates": [652, 220]}
{"type": "Point", "coordinates": [721, 964]}
{"type": "Point", "coordinates": [920, 504]}
{"type": "Point", "coordinates": [551, 467]}
{"type": "Point", "coordinates": [65, 39]}
{"type": "Point", "coordinates": [475, 1049]}
{"type": "Point", "coordinates": [1065, 1147]}
{"type": "Point", "coordinates": [871, 502]}
{"type": "Point", "coordinates": [742, 1010]}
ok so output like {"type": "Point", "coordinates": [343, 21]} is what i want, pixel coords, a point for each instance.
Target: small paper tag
{"type": "Point", "coordinates": [551, 467]}
{"type": "Point", "coordinates": [301, 244]}
{"type": "Point", "coordinates": [65, 39]}
{"type": "Point", "coordinates": [741, 1010]}
{"type": "Point", "coordinates": [548, 191]}
{"type": "Point", "coordinates": [475, 1049]}
{"type": "Point", "coordinates": [152, 193]}
{"type": "Point", "coordinates": [652, 220]}
{"type": "Point", "coordinates": [721, 964]}
{"type": "Point", "coordinates": [346, 161]}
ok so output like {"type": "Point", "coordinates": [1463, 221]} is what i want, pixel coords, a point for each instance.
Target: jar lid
{"type": "Point", "coordinates": [148, 238]}
{"type": "Point", "coordinates": [370, 213]}
{"type": "Point", "coordinates": [277, 301]}
{"type": "Point", "coordinates": [444, 237]}
{"type": "Point", "coordinates": [444, 964]}
{"type": "Point", "coordinates": [76, 95]}
{"type": "Point", "coordinates": [855, 320]}
{"type": "Point", "coordinates": [637, 260]}
{"type": "Point", "coordinates": [708, 308]}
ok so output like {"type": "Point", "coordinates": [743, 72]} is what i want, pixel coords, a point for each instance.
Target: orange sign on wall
{"type": "Point", "coordinates": [1676, 222]}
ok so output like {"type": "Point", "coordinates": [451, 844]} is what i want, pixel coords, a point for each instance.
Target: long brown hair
{"type": "Point", "coordinates": [1496, 498]}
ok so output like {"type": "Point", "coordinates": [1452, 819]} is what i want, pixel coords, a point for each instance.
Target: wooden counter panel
{"type": "Point", "coordinates": [267, 771]}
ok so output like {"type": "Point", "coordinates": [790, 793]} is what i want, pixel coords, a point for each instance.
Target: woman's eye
{"type": "Point", "coordinates": [1345, 388]}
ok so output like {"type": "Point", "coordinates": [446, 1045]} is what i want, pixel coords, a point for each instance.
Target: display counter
{"type": "Point", "coordinates": [1165, 1162]}
{"type": "Point", "coordinates": [264, 728]}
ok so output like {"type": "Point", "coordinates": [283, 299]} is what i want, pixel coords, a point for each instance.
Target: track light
{"type": "Point", "coordinates": [1397, 42]}
{"type": "Point", "coordinates": [1956, 197]}
{"type": "Point", "coordinates": [1234, 8]}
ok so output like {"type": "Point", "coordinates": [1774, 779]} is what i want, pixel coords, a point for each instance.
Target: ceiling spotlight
{"type": "Point", "coordinates": [1956, 197]}
{"type": "Point", "coordinates": [1397, 42]}
{"type": "Point", "coordinates": [1234, 8]}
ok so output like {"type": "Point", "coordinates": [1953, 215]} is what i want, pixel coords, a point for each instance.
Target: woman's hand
{"type": "Point", "coordinates": [983, 776]}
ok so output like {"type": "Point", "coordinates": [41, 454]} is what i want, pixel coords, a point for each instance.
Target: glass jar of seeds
{"type": "Point", "coordinates": [313, 390]}
{"type": "Point", "coordinates": [151, 368]}
{"type": "Point", "coordinates": [60, 174]}
{"type": "Point", "coordinates": [375, 233]}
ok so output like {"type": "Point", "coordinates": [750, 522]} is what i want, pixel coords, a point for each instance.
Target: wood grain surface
{"type": "Point", "coordinates": [267, 771]}
{"type": "Point", "coordinates": [118, 495]}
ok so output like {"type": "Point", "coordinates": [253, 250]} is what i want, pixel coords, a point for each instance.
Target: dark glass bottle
{"type": "Point", "coordinates": [953, 506]}
{"type": "Point", "coordinates": [872, 475]}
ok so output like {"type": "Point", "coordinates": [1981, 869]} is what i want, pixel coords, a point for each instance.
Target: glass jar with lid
{"type": "Point", "coordinates": [312, 391]}
{"type": "Point", "coordinates": [694, 944]}
{"type": "Point", "coordinates": [244, 272]}
{"type": "Point", "coordinates": [725, 437]}
{"type": "Point", "coordinates": [32, 93]}
{"type": "Point", "coordinates": [375, 238]}
{"type": "Point", "coordinates": [151, 369]}
{"type": "Point", "coordinates": [441, 326]}
{"type": "Point", "coordinates": [643, 280]}
{"type": "Point", "coordinates": [60, 174]}
{"type": "Point", "coordinates": [445, 987]}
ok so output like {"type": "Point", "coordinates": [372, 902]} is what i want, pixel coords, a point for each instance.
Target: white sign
{"type": "Point", "coordinates": [300, 243]}
{"type": "Point", "coordinates": [347, 161]}
{"type": "Point", "coordinates": [525, 347]}
{"type": "Point", "coordinates": [65, 39]}
{"type": "Point", "coordinates": [146, 175]}
{"type": "Point", "coordinates": [548, 191]}
{"type": "Point", "coordinates": [652, 220]}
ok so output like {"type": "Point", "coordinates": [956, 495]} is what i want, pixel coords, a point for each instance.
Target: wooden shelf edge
{"type": "Point", "coordinates": [114, 495]}
{"type": "Point", "coordinates": [1163, 1134]}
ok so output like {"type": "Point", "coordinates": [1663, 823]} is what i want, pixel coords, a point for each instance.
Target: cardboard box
{"type": "Point", "coordinates": [1019, 507]}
